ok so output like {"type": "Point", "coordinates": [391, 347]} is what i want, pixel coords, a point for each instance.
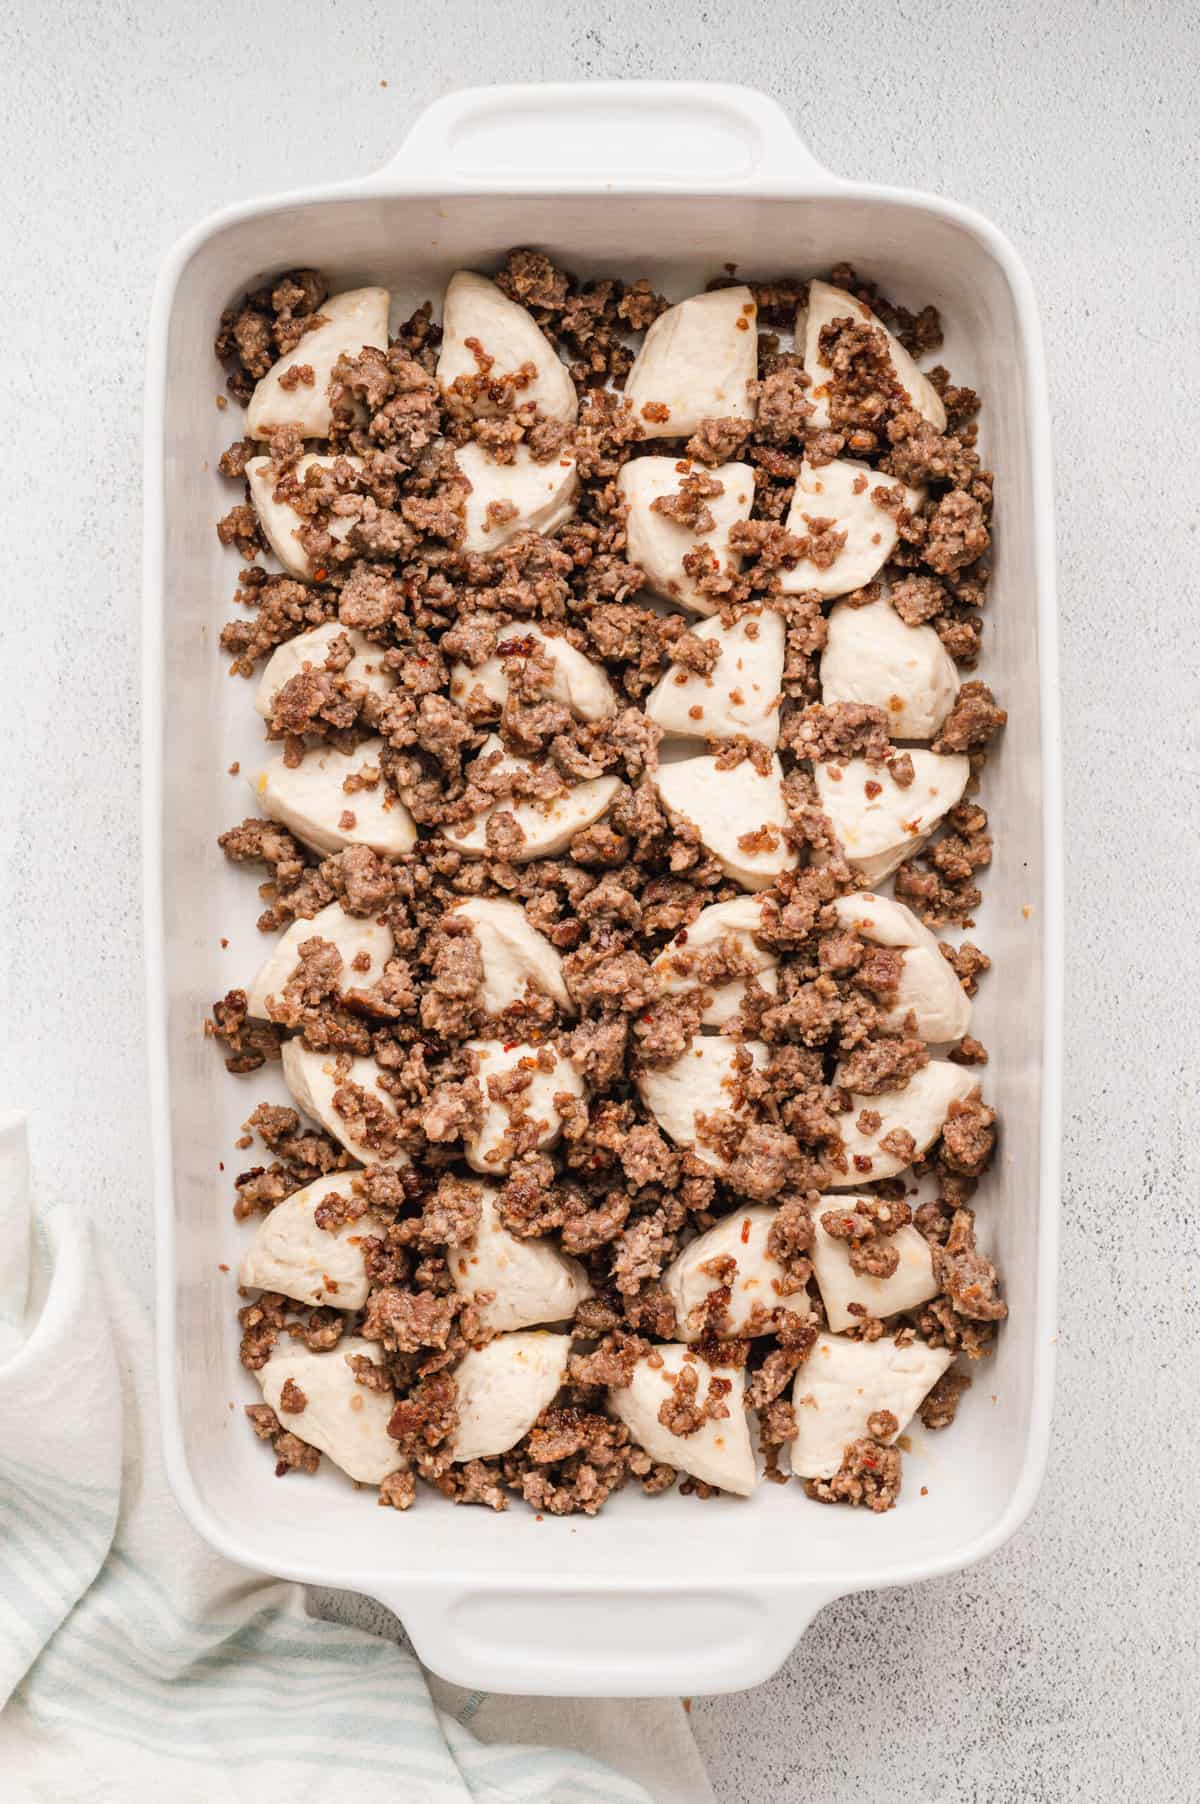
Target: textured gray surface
{"type": "Point", "coordinates": [1066, 1666]}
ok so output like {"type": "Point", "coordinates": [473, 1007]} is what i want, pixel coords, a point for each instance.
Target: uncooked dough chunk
{"type": "Point", "coordinates": [843, 491]}
{"type": "Point", "coordinates": [577, 683]}
{"type": "Point", "coordinates": [754, 1286]}
{"type": "Point", "coordinates": [548, 827]}
{"type": "Point", "coordinates": [871, 656]}
{"type": "Point", "coordinates": [483, 1145]}
{"type": "Point", "coordinates": [825, 304]}
{"type": "Point", "coordinates": [677, 964]}
{"type": "Point", "coordinates": [503, 1389]}
{"type": "Point", "coordinates": [509, 335]}
{"type": "Point", "coordinates": [340, 1416]}
{"type": "Point", "coordinates": [532, 1280]}
{"type": "Point", "coordinates": [353, 320]}
{"type": "Point", "coordinates": [310, 650]}
{"type": "Point", "coordinates": [314, 1078]}
{"type": "Point", "coordinates": [843, 1382]}
{"type": "Point", "coordinates": [696, 363]}
{"type": "Point", "coordinates": [911, 1283]}
{"type": "Point", "coordinates": [311, 799]}
{"type": "Point", "coordinates": [658, 545]}
{"type": "Point", "coordinates": [739, 815]}
{"type": "Point", "coordinates": [357, 938]}
{"type": "Point", "coordinates": [292, 1254]}
{"type": "Point", "coordinates": [929, 989]}
{"type": "Point", "coordinates": [280, 521]}
{"type": "Point", "coordinates": [718, 1453]}
{"type": "Point", "coordinates": [920, 1108]}
{"type": "Point", "coordinates": [541, 496]}
{"type": "Point", "coordinates": [742, 693]}
{"type": "Point", "coordinates": [513, 954]}
{"type": "Point", "coordinates": [702, 1081]}
{"type": "Point", "coordinates": [879, 822]}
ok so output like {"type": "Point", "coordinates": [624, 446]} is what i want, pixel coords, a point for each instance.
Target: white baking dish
{"type": "Point", "coordinates": [671, 1595]}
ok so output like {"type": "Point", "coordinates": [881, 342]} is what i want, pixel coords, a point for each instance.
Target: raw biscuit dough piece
{"type": "Point", "coordinates": [311, 650]}
{"type": "Point", "coordinates": [843, 1382]}
{"type": "Point", "coordinates": [696, 363]}
{"type": "Point", "coordinates": [543, 495]}
{"type": "Point", "coordinates": [658, 545]}
{"type": "Point", "coordinates": [740, 815]}
{"type": "Point", "coordinates": [743, 1236]}
{"type": "Point", "coordinates": [532, 1280]}
{"type": "Point", "coordinates": [577, 684]}
{"type": "Point", "coordinates": [741, 695]}
{"type": "Point", "coordinates": [314, 1078]}
{"type": "Point", "coordinates": [843, 491]}
{"type": "Point", "coordinates": [548, 827]}
{"type": "Point", "coordinates": [355, 936]}
{"type": "Point", "coordinates": [719, 1453]}
{"type": "Point", "coordinates": [503, 1389]}
{"type": "Point", "coordinates": [920, 1107]}
{"type": "Point", "coordinates": [929, 990]}
{"type": "Point", "coordinates": [292, 1254]}
{"type": "Point", "coordinates": [496, 1059]}
{"type": "Point", "coordinates": [341, 1417]}
{"type": "Point", "coordinates": [879, 823]}
{"type": "Point", "coordinates": [353, 320]}
{"type": "Point", "coordinates": [871, 656]}
{"type": "Point", "coordinates": [281, 522]}
{"type": "Point", "coordinates": [513, 954]}
{"type": "Point", "coordinates": [311, 800]}
{"type": "Point", "coordinates": [911, 1283]}
{"type": "Point", "coordinates": [825, 304]}
{"type": "Point", "coordinates": [701, 1081]}
{"type": "Point", "coordinates": [506, 332]}
{"type": "Point", "coordinates": [739, 921]}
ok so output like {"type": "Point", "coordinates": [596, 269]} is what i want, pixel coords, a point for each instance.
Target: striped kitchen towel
{"type": "Point", "coordinates": [136, 1661]}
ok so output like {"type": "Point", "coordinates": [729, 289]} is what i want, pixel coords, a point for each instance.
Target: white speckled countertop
{"type": "Point", "coordinates": [1065, 1667]}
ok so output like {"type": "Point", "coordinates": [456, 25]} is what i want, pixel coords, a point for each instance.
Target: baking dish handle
{"type": "Point", "coordinates": [596, 1640]}
{"type": "Point", "coordinates": [638, 136]}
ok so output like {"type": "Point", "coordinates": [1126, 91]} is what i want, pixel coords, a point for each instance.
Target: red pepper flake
{"type": "Point", "coordinates": [645, 1020]}
{"type": "Point", "coordinates": [222, 1268]}
{"type": "Point", "coordinates": [681, 937]}
{"type": "Point", "coordinates": [873, 789]}
{"type": "Point", "coordinates": [511, 1045]}
{"type": "Point", "coordinates": [924, 1490]}
{"type": "Point", "coordinates": [331, 1284]}
{"type": "Point", "coordinates": [320, 575]}
{"type": "Point", "coordinates": [862, 1163]}
{"type": "Point", "coordinates": [746, 1232]}
{"type": "Point", "coordinates": [224, 945]}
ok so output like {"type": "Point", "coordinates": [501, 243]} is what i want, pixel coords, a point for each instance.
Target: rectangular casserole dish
{"type": "Point", "coordinates": [669, 181]}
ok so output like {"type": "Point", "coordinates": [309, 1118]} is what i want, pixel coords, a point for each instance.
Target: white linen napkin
{"type": "Point", "coordinates": [135, 1661]}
